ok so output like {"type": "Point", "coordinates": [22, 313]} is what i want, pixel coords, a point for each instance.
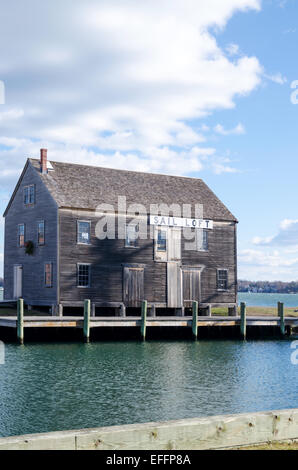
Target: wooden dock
{"type": "Point", "coordinates": [86, 323]}
{"type": "Point", "coordinates": [97, 322]}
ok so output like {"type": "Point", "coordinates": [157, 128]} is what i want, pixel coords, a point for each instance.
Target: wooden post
{"type": "Point", "coordinates": [243, 320]}
{"type": "Point", "coordinates": [281, 314]}
{"type": "Point", "coordinates": [152, 311]}
{"type": "Point", "coordinates": [232, 311]}
{"type": "Point", "coordinates": [60, 310]}
{"type": "Point", "coordinates": [20, 321]}
{"type": "Point", "coordinates": [195, 309]}
{"type": "Point", "coordinates": [93, 309]}
{"type": "Point", "coordinates": [54, 310]}
{"type": "Point", "coordinates": [144, 320]}
{"type": "Point", "coordinates": [87, 309]}
{"type": "Point", "coordinates": [208, 311]}
{"type": "Point", "coordinates": [122, 310]}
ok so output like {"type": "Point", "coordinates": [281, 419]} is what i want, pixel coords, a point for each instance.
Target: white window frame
{"type": "Point", "coordinates": [204, 231]}
{"type": "Point", "coordinates": [173, 234]}
{"type": "Point", "coordinates": [78, 233]}
{"type": "Point", "coordinates": [89, 275]}
{"type": "Point", "coordinates": [161, 229]}
{"type": "Point", "coordinates": [136, 239]}
{"type": "Point", "coordinates": [27, 189]}
{"type": "Point", "coordinates": [220, 289]}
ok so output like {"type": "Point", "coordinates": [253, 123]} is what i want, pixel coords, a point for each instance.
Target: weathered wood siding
{"type": "Point", "coordinates": [45, 208]}
{"type": "Point", "coordinates": [220, 255]}
{"type": "Point", "coordinates": [107, 258]}
{"type": "Point", "coordinates": [133, 286]}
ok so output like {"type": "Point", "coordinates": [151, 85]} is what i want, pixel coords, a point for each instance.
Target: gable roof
{"type": "Point", "coordinates": [85, 187]}
{"type": "Point", "coordinates": [16, 188]}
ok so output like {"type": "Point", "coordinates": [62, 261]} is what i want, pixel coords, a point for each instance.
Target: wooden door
{"type": "Point", "coordinates": [133, 286]}
{"type": "Point", "coordinates": [17, 281]}
{"type": "Point", "coordinates": [174, 285]}
{"type": "Point", "coordinates": [191, 285]}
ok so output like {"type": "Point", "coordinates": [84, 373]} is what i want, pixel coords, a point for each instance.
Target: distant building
{"type": "Point", "coordinates": [53, 256]}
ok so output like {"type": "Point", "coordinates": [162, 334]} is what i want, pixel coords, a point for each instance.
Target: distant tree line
{"type": "Point", "coordinates": [268, 287]}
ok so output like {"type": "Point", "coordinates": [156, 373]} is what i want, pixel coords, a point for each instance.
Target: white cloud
{"type": "Point", "coordinates": [120, 77]}
{"type": "Point", "coordinates": [287, 235]}
{"type": "Point", "coordinates": [288, 223]}
{"type": "Point", "coordinates": [11, 114]}
{"type": "Point", "coordinates": [277, 78]}
{"type": "Point", "coordinates": [262, 241]}
{"type": "Point", "coordinates": [233, 49]}
{"type": "Point", "coordinates": [237, 130]}
{"type": "Point", "coordinates": [268, 264]}
{"type": "Point", "coordinates": [220, 168]}
{"type": "Point", "coordinates": [273, 257]}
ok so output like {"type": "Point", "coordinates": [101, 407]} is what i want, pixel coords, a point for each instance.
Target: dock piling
{"type": "Point", "coordinates": [144, 320]}
{"type": "Point", "coordinates": [20, 321]}
{"type": "Point", "coordinates": [87, 311]}
{"type": "Point", "coordinates": [243, 320]}
{"type": "Point", "coordinates": [195, 310]}
{"type": "Point", "coordinates": [281, 314]}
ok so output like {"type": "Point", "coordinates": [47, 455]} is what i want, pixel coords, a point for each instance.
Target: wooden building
{"type": "Point", "coordinates": [57, 255]}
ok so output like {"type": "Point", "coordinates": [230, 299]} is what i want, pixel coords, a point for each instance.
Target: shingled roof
{"type": "Point", "coordinates": [85, 187]}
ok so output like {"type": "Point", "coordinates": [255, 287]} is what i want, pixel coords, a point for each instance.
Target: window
{"type": "Point", "coordinates": [41, 232]}
{"type": "Point", "coordinates": [167, 245]}
{"type": "Point", "coordinates": [48, 274]}
{"type": "Point", "coordinates": [202, 239]}
{"type": "Point", "coordinates": [84, 275]}
{"type": "Point", "coordinates": [29, 195]}
{"type": "Point", "coordinates": [21, 235]}
{"type": "Point", "coordinates": [84, 229]}
{"type": "Point", "coordinates": [222, 279]}
{"type": "Point", "coordinates": [131, 239]}
{"type": "Point", "coordinates": [161, 240]}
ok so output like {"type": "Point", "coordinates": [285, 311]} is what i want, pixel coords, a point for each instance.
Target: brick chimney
{"type": "Point", "coordinates": [43, 160]}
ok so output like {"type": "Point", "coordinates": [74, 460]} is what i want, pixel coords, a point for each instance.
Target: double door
{"type": "Point", "coordinates": [183, 285]}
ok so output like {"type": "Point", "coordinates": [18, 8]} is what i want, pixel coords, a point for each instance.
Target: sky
{"type": "Point", "coordinates": [202, 88]}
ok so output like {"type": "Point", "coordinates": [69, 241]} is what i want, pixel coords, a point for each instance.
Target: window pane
{"type": "Point", "coordinates": [222, 279]}
{"type": "Point", "coordinates": [161, 240]}
{"type": "Point", "coordinates": [41, 233]}
{"type": "Point", "coordinates": [21, 235]}
{"type": "Point", "coordinates": [83, 275]}
{"type": "Point", "coordinates": [48, 274]}
{"type": "Point", "coordinates": [26, 195]}
{"type": "Point", "coordinates": [31, 194]}
{"type": "Point", "coordinates": [84, 232]}
{"type": "Point", "coordinates": [202, 239]}
{"type": "Point", "coordinates": [131, 236]}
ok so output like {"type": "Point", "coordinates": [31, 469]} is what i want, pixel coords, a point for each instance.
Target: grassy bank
{"type": "Point", "coordinates": [10, 312]}
{"type": "Point", "coordinates": [259, 311]}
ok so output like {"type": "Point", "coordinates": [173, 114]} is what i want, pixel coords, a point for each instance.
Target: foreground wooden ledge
{"type": "Point", "coordinates": [216, 432]}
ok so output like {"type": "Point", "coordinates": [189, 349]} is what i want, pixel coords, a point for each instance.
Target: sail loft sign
{"type": "Point", "coordinates": [180, 222]}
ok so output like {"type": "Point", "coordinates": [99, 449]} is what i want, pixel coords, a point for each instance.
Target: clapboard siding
{"type": "Point", "coordinates": [108, 256]}
{"type": "Point", "coordinates": [45, 209]}
{"type": "Point", "coordinates": [220, 255]}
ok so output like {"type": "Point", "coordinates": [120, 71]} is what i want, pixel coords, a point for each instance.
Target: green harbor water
{"type": "Point", "coordinates": [58, 386]}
